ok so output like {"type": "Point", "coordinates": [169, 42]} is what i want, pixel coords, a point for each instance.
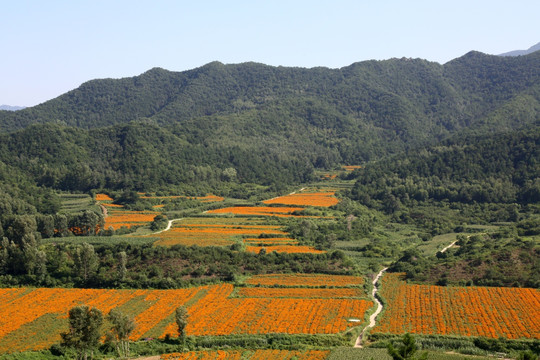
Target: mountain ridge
{"type": "Point", "coordinates": [274, 125]}
{"type": "Point", "coordinates": [217, 88]}
{"type": "Point", "coordinates": [530, 50]}
{"type": "Point", "coordinates": [11, 107]}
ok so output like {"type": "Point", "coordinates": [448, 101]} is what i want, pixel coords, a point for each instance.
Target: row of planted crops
{"type": "Point", "coordinates": [224, 226]}
{"type": "Point", "coordinates": [287, 304]}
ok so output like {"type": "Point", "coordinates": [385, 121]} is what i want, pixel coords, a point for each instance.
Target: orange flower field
{"type": "Point", "coordinates": [310, 293]}
{"type": "Point", "coordinates": [207, 198]}
{"type": "Point", "coordinates": [290, 249]}
{"type": "Point", "coordinates": [48, 308]}
{"type": "Point", "coordinates": [205, 355]}
{"type": "Point", "coordinates": [103, 197]}
{"type": "Point", "coordinates": [116, 218]}
{"type": "Point", "coordinates": [257, 210]}
{"type": "Point", "coordinates": [112, 205]}
{"type": "Point", "coordinates": [217, 314]}
{"type": "Point", "coordinates": [328, 176]}
{"type": "Point", "coordinates": [211, 312]}
{"type": "Point", "coordinates": [212, 234]}
{"type": "Point", "coordinates": [468, 311]}
{"type": "Point", "coordinates": [323, 199]}
{"type": "Point", "coordinates": [271, 241]}
{"type": "Point", "coordinates": [352, 167]}
{"type": "Point", "coordinates": [248, 355]}
{"type": "Point", "coordinates": [294, 280]}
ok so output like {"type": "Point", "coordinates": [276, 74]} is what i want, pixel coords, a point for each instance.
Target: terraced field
{"type": "Point", "coordinates": [492, 312]}
{"type": "Point", "coordinates": [213, 310]}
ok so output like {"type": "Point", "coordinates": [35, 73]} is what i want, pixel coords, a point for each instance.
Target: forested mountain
{"type": "Point", "coordinates": [398, 101]}
{"type": "Point", "coordinates": [271, 125]}
{"type": "Point", "coordinates": [502, 168]}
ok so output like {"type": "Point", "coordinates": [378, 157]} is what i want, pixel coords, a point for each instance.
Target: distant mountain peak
{"type": "Point", "coordinates": [522, 52]}
{"type": "Point", "coordinates": [11, 108]}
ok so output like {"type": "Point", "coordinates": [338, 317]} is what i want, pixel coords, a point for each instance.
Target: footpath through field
{"type": "Point", "coordinates": [169, 225]}
{"type": "Point", "coordinates": [373, 317]}
{"type": "Point", "coordinates": [228, 225]}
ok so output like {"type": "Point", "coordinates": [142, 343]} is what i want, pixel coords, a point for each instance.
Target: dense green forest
{"type": "Point", "coordinates": [262, 124]}
{"type": "Point", "coordinates": [410, 99]}
{"type": "Point", "coordinates": [502, 168]}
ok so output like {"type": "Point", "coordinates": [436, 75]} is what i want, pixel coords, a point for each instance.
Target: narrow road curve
{"type": "Point", "coordinates": [373, 317]}
{"type": "Point", "coordinates": [449, 246]}
{"type": "Point", "coordinates": [104, 210]}
{"type": "Point", "coordinates": [294, 192]}
{"type": "Point", "coordinates": [168, 226]}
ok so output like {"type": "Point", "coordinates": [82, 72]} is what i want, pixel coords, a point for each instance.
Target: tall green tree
{"type": "Point", "coordinates": [84, 331]}
{"type": "Point", "coordinates": [86, 223]}
{"type": "Point", "coordinates": [4, 256]}
{"type": "Point", "coordinates": [122, 262]}
{"type": "Point", "coordinates": [22, 231]}
{"type": "Point", "coordinates": [122, 327]}
{"type": "Point", "coordinates": [527, 355]}
{"type": "Point", "coordinates": [181, 317]}
{"type": "Point", "coordinates": [86, 261]}
{"type": "Point", "coordinates": [41, 265]}
{"type": "Point", "coordinates": [407, 350]}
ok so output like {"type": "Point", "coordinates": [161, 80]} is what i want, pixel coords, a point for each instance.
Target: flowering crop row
{"type": "Point", "coordinates": [103, 197]}
{"type": "Point", "coordinates": [164, 303]}
{"type": "Point", "coordinates": [21, 307]}
{"type": "Point", "coordinates": [211, 312]}
{"type": "Point", "coordinates": [205, 355]}
{"type": "Point", "coordinates": [468, 311]}
{"type": "Point", "coordinates": [218, 314]}
{"type": "Point", "coordinates": [271, 241]}
{"type": "Point", "coordinates": [207, 198]}
{"type": "Point", "coordinates": [257, 210]}
{"type": "Point", "coordinates": [309, 293]}
{"type": "Point", "coordinates": [112, 205]}
{"type": "Point", "coordinates": [305, 280]}
{"type": "Point", "coordinates": [290, 249]}
{"type": "Point", "coordinates": [212, 234]}
{"type": "Point", "coordinates": [323, 199]}
{"type": "Point", "coordinates": [328, 176]}
{"type": "Point", "coordinates": [226, 221]}
{"type": "Point", "coordinates": [118, 218]}
{"type": "Point", "coordinates": [249, 355]}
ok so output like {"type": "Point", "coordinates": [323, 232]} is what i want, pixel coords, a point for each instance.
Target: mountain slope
{"type": "Point", "coordinates": [140, 155]}
{"type": "Point", "coordinates": [502, 168]}
{"type": "Point", "coordinates": [522, 52]}
{"type": "Point", "coordinates": [412, 100]}
{"type": "Point", "coordinates": [273, 125]}
{"type": "Point", "coordinates": [11, 108]}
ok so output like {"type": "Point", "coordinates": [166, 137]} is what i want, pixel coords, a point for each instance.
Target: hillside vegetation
{"type": "Point", "coordinates": [261, 124]}
{"type": "Point", "coordinates": [262, 202]}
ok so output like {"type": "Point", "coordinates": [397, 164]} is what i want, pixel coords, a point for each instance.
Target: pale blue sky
{"type": "Point", "coordinates": [50, 47]}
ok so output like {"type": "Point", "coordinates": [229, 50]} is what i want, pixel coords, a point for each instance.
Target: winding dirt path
{"type": "Point", "coordinates": [104, 210]}
{"type": "Point", "coordinates": [169, 225]}
{"type": "Point", "coordinates": [373, 317]}
{"type": "Point", "coordinates": [449, 246]}
{"type": "Point", "coordinates": [294, 192]}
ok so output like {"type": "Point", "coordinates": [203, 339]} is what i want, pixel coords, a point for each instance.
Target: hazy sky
{"type": "Point", "coordinates": [50, 47]}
